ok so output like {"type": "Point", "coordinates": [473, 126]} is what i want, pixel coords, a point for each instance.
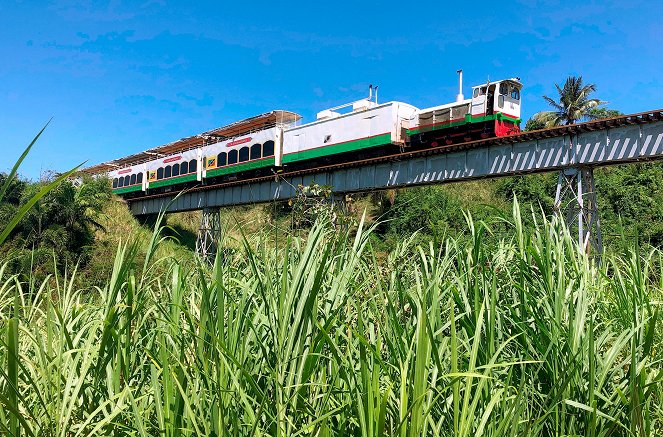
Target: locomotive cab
{"type": "Point", "coordinates": [498, 101]}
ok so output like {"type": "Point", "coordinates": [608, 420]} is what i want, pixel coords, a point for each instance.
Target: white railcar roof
{"type": "Point", "coordinates": [237, 128]}
{"type": "Point", "coordinates": [347, 114]}
{"type": "Point", "coordinates": [511, 79]}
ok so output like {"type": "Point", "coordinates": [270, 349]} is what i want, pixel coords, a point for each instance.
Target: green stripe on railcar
{"type": "Point", "coordinates": [173, 181]}
{"type": "Point", "coordinates": [235, 168]}
{"type": "Point", "coordinates": [333, 149]}
{"type": "Point", "coordinates": [125, 190]}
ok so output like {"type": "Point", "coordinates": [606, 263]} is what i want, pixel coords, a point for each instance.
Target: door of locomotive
{"type": "Point", "coordinates": [490, 100]}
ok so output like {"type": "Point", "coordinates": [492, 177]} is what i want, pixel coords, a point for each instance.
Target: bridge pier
{"type": "Point", "coordinates": [576, 204]}
{"type": "Point", "coordinates": [209, 234]}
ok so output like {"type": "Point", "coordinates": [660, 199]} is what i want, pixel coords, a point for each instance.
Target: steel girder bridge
{"type": "Point", "coordinates": [574, 151]}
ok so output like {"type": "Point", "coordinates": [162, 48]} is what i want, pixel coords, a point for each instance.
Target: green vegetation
{"type": "Point", "coordinates": [59, 226]}
{"type": "Point", "coordinates": [318, 337]}
{"type": "Point", "coordinates": [573, 104]}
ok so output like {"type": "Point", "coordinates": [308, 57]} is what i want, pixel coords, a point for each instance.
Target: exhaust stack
{"type": "Point", "coordinates": [460, 97]}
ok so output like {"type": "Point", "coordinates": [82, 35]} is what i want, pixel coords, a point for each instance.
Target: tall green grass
{"type": "Point", "coordinates": [319, 337]}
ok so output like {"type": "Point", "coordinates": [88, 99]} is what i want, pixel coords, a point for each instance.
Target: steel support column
{"type": "Point", "coordinates": [575, 202]}
{"type": "Point", "coordinates": [209, 234]}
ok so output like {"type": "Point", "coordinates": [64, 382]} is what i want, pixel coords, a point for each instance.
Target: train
{"type": "Point", "coordinates": [278, 141]}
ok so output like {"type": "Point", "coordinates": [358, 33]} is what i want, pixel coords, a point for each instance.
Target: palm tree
{"type": "Point", "coordinates": [574, 103]}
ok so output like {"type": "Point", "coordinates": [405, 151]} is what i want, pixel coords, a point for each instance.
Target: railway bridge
{"type": "Point", "coordinates": [573, 151]}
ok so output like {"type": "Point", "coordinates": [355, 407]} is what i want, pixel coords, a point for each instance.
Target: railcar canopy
{"type": "Point", "coordinates": [238, 128]}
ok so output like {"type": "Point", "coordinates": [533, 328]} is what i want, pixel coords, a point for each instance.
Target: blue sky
{"type": "Point", "coordinates": [119, 77]}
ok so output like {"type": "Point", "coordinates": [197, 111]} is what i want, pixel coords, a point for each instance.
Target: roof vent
{"type": "Point", "coordinates": [362, 105]}
{"type": "Point", "coordinates": [327, 113]}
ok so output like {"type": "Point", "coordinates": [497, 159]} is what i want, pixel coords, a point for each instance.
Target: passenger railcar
{"type": "Point", "coordinates": [276, 140]}
{"type": "Point", "coordinates": [367, 126]}
{"type": "Point", "coordinates": [251, 152]}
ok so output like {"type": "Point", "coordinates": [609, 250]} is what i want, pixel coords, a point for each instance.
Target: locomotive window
{"type": "Point", "coordinates": [256, 150]}
{"type": "Point", "coordinates": [268, 148]}
{"type": "Point", "coordinates": [176, 169]}
{"type": "Point", "coordinates": [193, 166]}
{"type": "Point", "coordinates": [115, 183]}
{"type": "Point", "coordinates": [139, 179]}
{"type": "Point", "coordinates": [232, 157]}
{"type": "Point", "coordinates": [160, 173]}
{"type": "Point", "coordinates": [243, 154]}
{"type": "Point", "coordinates": [133, 179]}
{"type": "Point", "coordinates": [221, 159]}
{"type": "Point", "coordinates": [504, 89]}
{"type": "Point", "coordinates": [515, 94]}
{"type": "Point", "coordinates": [168, 173]}
{"type": "Point", "coordinates": [184, 168]}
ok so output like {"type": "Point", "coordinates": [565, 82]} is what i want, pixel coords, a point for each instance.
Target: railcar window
{"type": "Point", "coordinates": [482, 91]}
{"type": "Point", "coordinates": [184, 168]}
{"type": "Point", "coordinates": [500, 101]}
{"type": "Point", "coordinates": [193, 166]}
{"type": "Point", "coordinates": [115, 183]}
{"type": "Point", "coordinates": [504, 89]}
{"type": "Point", "coordinates": [127, 179]}
{"type": "Point", "coordinates": [515, 94]}
{"type": "Point", "coordinates": [176, 169]}
{"type": "Point", "coordinates": [168, 172]}
{"type": "Point", "coordinates": [232, 157]}
{"type": "Point", "coordinates": [120, 183]}
{"type": "Point", "coordinates": [133, 179]}
{"type": "Point", "coordinates": [268, 149]}
{"type": "Point", "coordinates": [139, 179]}
{"type": "Point", "coordinates": [476, 92]}
{"type": "Point", "coordinates": [160, 173]}
{"type": "Point", "coordinates": [222, 159]}
{"type": "Point", "coordinates": [243, 154]}
{"type": "Point", "coordinates": [256, 151]}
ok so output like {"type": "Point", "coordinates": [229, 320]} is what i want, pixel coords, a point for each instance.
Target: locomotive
{"type": "Point", "coordinates": [277, 141]}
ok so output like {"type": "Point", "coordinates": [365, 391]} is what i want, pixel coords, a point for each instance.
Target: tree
{"type": "Point", "coordinates": [603, 113]}
{"type": "Point", "coordinates": [534, 124]}
{"type": "Point", "coordinates": [574, 103]}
